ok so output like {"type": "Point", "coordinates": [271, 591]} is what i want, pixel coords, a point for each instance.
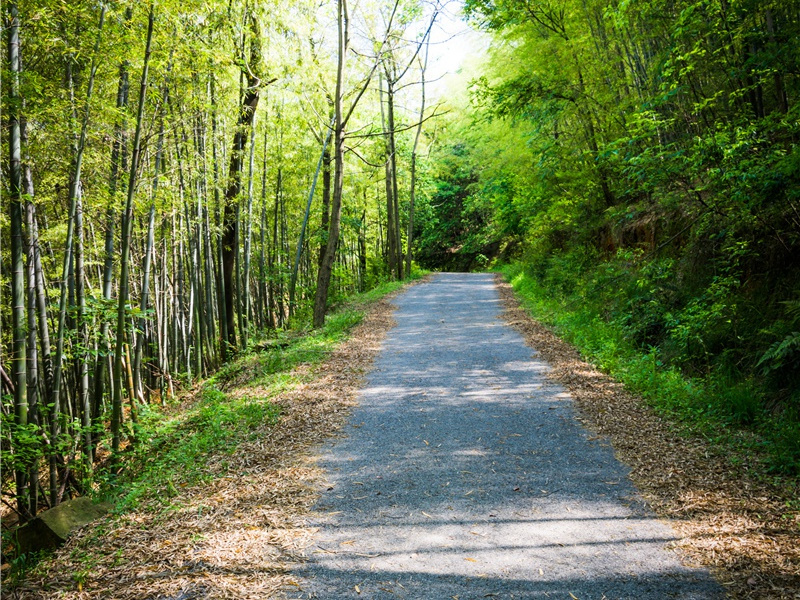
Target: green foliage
{"type": "Point", "coordinates": [718, 403]}
{"type": "Point", "coordinates": [452, 222]}
{"type": "Point", "coordinates": [178, 447]}
{"type": "Point", "coordinates": [782, 354]}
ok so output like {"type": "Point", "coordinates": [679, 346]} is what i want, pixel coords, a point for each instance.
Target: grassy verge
{"type": "Point", "coordinates": [177, 445]}
{"type": "Point", "coordinates": [726, 412]}
{"type": "Point", "coordinates": [186, 444]}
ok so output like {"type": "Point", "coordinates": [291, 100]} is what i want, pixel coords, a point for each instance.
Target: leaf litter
{"type": "Point", "coordinates": [238, 535]}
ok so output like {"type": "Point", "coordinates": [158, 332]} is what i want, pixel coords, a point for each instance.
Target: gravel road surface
{"type": "Point", "coordinates": [464, 474]}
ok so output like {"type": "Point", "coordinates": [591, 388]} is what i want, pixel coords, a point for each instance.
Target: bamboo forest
{"type": "Point", "coordinates": [193, 190]}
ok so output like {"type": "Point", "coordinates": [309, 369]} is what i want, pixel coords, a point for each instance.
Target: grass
{"type": "Point", "coordinates": [179, 444]}
{"type": "Point", "coordinates": [175, 446]}
{"type": "Point", "coordinates": [725, 410]}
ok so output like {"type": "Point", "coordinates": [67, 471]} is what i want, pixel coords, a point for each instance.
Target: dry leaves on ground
{"type": "Point", "coordinates": [728, 520]}
{"type": "Point", "coordinates": [236, 536]}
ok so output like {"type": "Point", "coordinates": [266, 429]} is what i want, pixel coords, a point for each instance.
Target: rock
{"type": "Point", "coordinates": [271, 344]}
{"type": "Point", "coordinates": [51, 528]}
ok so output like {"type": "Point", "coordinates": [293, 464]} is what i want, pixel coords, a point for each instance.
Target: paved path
{"type": "Point", "coordinates": [465, 475]}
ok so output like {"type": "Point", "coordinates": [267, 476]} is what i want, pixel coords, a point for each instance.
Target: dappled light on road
{"type": "Point", "coordinates": [465, 474]}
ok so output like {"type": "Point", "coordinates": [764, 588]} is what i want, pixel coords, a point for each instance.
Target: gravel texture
{"type": "Point", "coordinates": [464, 474]}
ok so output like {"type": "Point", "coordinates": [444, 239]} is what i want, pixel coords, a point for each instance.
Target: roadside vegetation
{"type": "Point", "coordinates": [191, 440]}
{"type": "Point", "coordinates": [634, 166]}
{"type": "Point", "coordinates": [722, 405]}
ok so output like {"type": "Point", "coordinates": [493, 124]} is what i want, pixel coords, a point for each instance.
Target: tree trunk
{"type": "Point", "coordinates": [83, 337]}
{"type": "Point", "coordinates": [148, 258]}
{"type": "Point", "coordinates": [413, 191]}
{"type": "Point", "coordinates": [326, 266]}
{"type": "Point", "coordinates": [391, 240]}
{"type": "Point", "coordinates": [221, 295]}
{"type": "Point", "coordinates": [248, 236]}
{"type": "Point", "coordinates": [262, 263]}
{"type": "Point", "coordinates": [73, 205]}
{"type": "Point", "coordinates": [33, 357]}
{"type": "Point", "coordinates": [276, 302]}
{"type": "Point", "coordinates": [19, 367]}
{"type": "Point", "coordinates": [127, 227]}
{"type": "Point", "coordinates": [293, 282]}
{"type": "Point", "coordinates": [326, 199]}
{"type": "Point", "coordinates": [395, 225]}
{"type": "Point", "coordinates": [340, 121]}
{"type": "Point", "coordinates": [230, 240]}
{"type": "Point", "coordinates": [118, 160]}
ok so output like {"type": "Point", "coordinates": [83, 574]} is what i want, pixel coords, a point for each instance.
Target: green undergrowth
{"type": "Point", "coordinates": [174, 446]}
{"type": "Point", "coordinates": [726, 409]}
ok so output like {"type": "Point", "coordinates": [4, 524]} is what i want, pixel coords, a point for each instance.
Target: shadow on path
{"type": "Point", "coordinates": [465, 474]}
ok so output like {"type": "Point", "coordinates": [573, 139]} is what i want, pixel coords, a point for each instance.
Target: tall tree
{"type": "Point", "coordinates": [18, 323]}
{"type": "Point", "coordinates": [118, 154]}
{"type": "Point", "coordinates": [341, 117]}
{"type": "Point", "coordinates": [127, 228]}
{"type": "Point", "coordinates": [251, 65]}
{"type": "Point", "coordinates": [413, 186]}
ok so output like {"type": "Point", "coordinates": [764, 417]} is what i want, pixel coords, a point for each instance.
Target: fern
{"type": "Point", "coordinates": [781, 353]}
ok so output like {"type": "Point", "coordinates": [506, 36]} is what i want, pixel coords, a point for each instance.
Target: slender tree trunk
{"type": "Point", "coordinates": [229, 232]}
{"type": "Point", "coordinates": [83, 337]}
{"type": "Point", "coordinates": [413, 191]}
{"type": "Point", "coordinates": [237, 269]}
{"type": "Point", "coordinates": [395, 224]}
{"type": "Point", "coordinates": [204, 233]}
{"type": "Point", "coordinates": [301, 240]}
{"type": "Point", "coordinates": [362, 249]}
{"type": "Point", "coordinates": [248, 236]}
{"type": "Point", "coordinates": [340, 121]}
{"type": "Point", "coordinates": [73, 202]}
{"type": "Point", "coordinates": [275, 257]}
{"type": "Point", "coordinates": [326, 199]}
{"type": "Point", "coordinates": [262, 264]}
{"type": "Point", "coordinates": [43, 324]}
{"type": "Point", "coordinates": [118, 160]}
{"type": "Point", "coordinates": [221, 293]}
{"type": "Point", "coordinates": [148, 257]}
{"type": "Point", "coordinates": [326, 266]}
{"type": "Point", "coordinates": [388, 172]}
{"type": "Point", "coordinates": [127, 227]}
{"type": "Point", "coordinates": [19, 368]}
{"type": "Point", "coordinates": [284, 258]}
{"type": "Point", "coordinates": [33, 357]}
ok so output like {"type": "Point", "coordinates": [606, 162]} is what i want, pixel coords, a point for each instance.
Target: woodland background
{"type": "Point", "coordinates": [631, 166]}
